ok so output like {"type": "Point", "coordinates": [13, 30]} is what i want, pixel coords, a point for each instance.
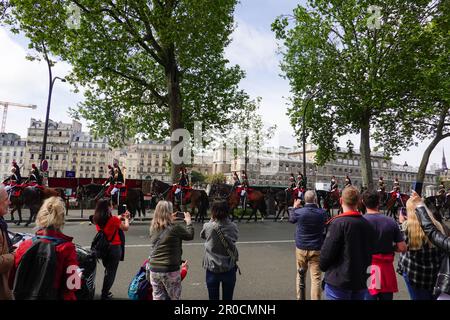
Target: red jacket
{"type": "Point", "coordinates": [65, 254]}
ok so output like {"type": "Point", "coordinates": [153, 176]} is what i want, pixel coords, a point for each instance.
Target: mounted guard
{"type": "Point", "coordinates": [348, 182]}
{"type": "Point", "coordinates": [381, 185]}
{"type": "Point", "coordinates": [441, 190]}
{"type": "Point", "coordinates": [244, 186]}
{"type": "Point", "coordinates": [19, 176]}
{"type": "Point", "coordinates": [118, 179]}
{"type": "Point", "coordinates": [301, 185]}
{"type": "Point", "coordinates": [183, 183]}
{"type": "Point", "coordinates": [11, 182]}
{"type": "Point", "coordinates": [35, 178]}
{"type": "Point", "coordinates": [110, 181]}
{"type": "Point", "coordinates": [333, 184]}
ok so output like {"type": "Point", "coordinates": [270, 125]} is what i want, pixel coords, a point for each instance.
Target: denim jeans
{"type": "Point", "coordinates": [228, 280]}
{"type": "Point", "coordinates": [335, 293]}
{"type": "Point", "coordinates": [417, 293]}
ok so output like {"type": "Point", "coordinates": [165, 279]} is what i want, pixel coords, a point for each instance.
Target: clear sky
{"type": "Point", "coordinates": [254, 48]}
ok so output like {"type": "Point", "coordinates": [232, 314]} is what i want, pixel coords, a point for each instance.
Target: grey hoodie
{"type": "Point", "coordinates": [216, 257]}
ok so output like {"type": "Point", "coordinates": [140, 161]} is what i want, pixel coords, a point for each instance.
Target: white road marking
{"type": "Point", "coordinates": [202, 243]}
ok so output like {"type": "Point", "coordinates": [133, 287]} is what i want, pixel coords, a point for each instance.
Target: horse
{"type": "Point", "coordinates": [384, 197]}
{"type": "Point", "coordinates": [283, 199]}
{"type": "Point", "coordinates": [439, 204]}
{"type": "Point", "coordinates": [33, 197]}
{"type": "Point", "coordinates": [16, 203]}
{"type": "Point", "coordinates": [392, 205]}
{"type": "Point", "coordinates": [197, 199]}
{"type": "Point", "coordinates": [329, 201]}
{"type": "Point", "coordinates": [255, 198]}
{"type": "Point", "coordinates": [134, 199]}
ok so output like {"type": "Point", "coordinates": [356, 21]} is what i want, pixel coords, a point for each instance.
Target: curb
{"type": "Point", "coordinates": [87, 220]}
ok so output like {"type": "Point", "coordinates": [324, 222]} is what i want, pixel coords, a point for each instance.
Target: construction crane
{"type": "Point", "coordinates": [6, 104]}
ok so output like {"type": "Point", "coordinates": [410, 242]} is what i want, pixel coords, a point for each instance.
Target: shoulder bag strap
{"type": "Point", "coordinates": [231, 253]}
{"type": "Point", "coordinates": [158, 241]}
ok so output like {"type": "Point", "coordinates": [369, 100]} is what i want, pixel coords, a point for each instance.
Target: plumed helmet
{"type": "Point", "coordinates": [33, 166]}
{"type": "Point", "coordinates": [14, 162]}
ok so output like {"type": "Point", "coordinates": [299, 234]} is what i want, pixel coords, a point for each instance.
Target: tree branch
{"type": "Point", "coordinates": [128, 26]}
{"type": "Point", "coordinates": [135, 34]}
{"type": "Point", "coordinates": [140, 81]}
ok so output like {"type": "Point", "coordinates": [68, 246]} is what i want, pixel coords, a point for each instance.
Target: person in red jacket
{"type": "Point", "coordinates": [113, 227]}
{"type": "Point", "coordinates": [50, 220]}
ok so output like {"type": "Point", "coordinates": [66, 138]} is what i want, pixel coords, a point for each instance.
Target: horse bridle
{"type": "Point", "coordinates": [161, 195]}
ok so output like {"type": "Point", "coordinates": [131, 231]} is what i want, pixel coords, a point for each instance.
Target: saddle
{"type": "Point", "coordinates": [248, 190]}
{"type": "Point", "coordinates": [186, 192]}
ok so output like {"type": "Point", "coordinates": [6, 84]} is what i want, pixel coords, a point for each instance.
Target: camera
{"type": "Point", "coordinates": [180, 215]}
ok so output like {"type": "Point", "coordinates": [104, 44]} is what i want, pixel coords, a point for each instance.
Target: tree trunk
{"type": "Point", "coordinates": [426, 156]}
{"type": "Point", "coordinates": [439, 136]}
{"type": "Point", "coordinates": [175, 107]}
{"type": "Point", "coordinates": [366, 163]}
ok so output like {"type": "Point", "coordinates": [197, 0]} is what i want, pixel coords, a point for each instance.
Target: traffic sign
{"type": "Point", "coordinates": [70, 174]}
{"type": "Point", "coordinates": [44, 165]}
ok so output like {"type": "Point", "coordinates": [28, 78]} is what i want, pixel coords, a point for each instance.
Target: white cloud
{"type": "Point", "coordinates": [26, 82]}
{"type": "Point", "coordinates": [252, 48]}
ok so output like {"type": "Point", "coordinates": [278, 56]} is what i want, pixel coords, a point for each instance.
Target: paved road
{"type": "Point", "coordinates": [267, 254]}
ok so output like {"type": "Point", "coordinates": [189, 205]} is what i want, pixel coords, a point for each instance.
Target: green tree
{"type": "Point", "coordinates": [216, 178]}
{"type": "Point", "coordinates": [427, 86]}
{"type": "Point", "coordinates": [149, 66]}
{"type": "Point", "coordinates": [197, 177]}
{"type": "Point", "coordinates": [342, 57]}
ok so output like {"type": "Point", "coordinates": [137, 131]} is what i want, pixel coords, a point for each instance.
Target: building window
{"type": "Point", "coordinates": [32, 156]}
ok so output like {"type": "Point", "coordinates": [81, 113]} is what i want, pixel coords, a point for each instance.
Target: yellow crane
{"type": "Point", "coordinates": [7, 104]}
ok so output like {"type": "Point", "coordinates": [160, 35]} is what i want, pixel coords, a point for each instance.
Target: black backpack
{"type": "Point", "coordinates": [100, 245]}
{"type": "Point", "coordinates": [35, 275]}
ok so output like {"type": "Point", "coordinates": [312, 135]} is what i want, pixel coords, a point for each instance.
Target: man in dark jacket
{"type": "Point", "coordinates": [308, 239]}
{"type": "Point", "coordinates": [347, 251]}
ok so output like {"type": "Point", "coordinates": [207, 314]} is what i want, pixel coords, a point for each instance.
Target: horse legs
{"type": "Point", "coordinates": [12, 213]}
{"type": "Point", "coordinates": [278, 214]}
{"type": "Point", "coordinates": [31, 218]}
{"type": "Point", "coordinates": [254, 212]}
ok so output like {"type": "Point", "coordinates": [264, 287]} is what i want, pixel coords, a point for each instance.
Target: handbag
{"type": "Point", "coordinates": [231, 252]}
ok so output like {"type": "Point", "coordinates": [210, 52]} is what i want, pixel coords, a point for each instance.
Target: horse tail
{"type": "Point", "coordinates": [141, 201]}
{"type": "Point", "coordinates": [204, 204]}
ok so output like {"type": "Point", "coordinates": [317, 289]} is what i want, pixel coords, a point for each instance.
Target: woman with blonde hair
{"type": "Point", "coordinates": [420, 265]}
{"type": "Point", "coordinates": [167, 231]}
{"type": "Point", "coordinates": [50, 220]}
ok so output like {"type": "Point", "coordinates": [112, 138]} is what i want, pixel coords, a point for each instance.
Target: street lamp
{"type": "Point", "coordinates": [44, 145]}
{"type": "Point", "coordinates": [311, 96]}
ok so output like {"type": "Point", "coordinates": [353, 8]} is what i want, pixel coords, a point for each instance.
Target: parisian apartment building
{"type": "Point", "coordinates": [274, 169]}
{"type": "Point", "coordinates": [12, 147]}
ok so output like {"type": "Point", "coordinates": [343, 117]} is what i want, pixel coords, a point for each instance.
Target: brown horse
{"type": "Point", "coordinates": [393, 204]}
{"type": "Point", "coordinates": [33, 197]}
{"type": "Point", "coordinates": [134, 199]}
{"type": "Point", "coordinates": [197, 200]}
{"type": "Point", "coordinates": [284, 199]}
{"type": "Point", "coordinates": [16, 203]}
{"type": "Point", "coordinates": [255, 199]}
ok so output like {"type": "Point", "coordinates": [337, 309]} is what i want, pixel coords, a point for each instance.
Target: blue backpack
{"type": "Point", "coordinates": [139, 286]}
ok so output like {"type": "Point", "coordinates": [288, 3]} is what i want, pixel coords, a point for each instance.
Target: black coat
{"type": "Point", "coordinates": [347, 252]}
{"type": "Point", "coordinates": [442, 242]}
